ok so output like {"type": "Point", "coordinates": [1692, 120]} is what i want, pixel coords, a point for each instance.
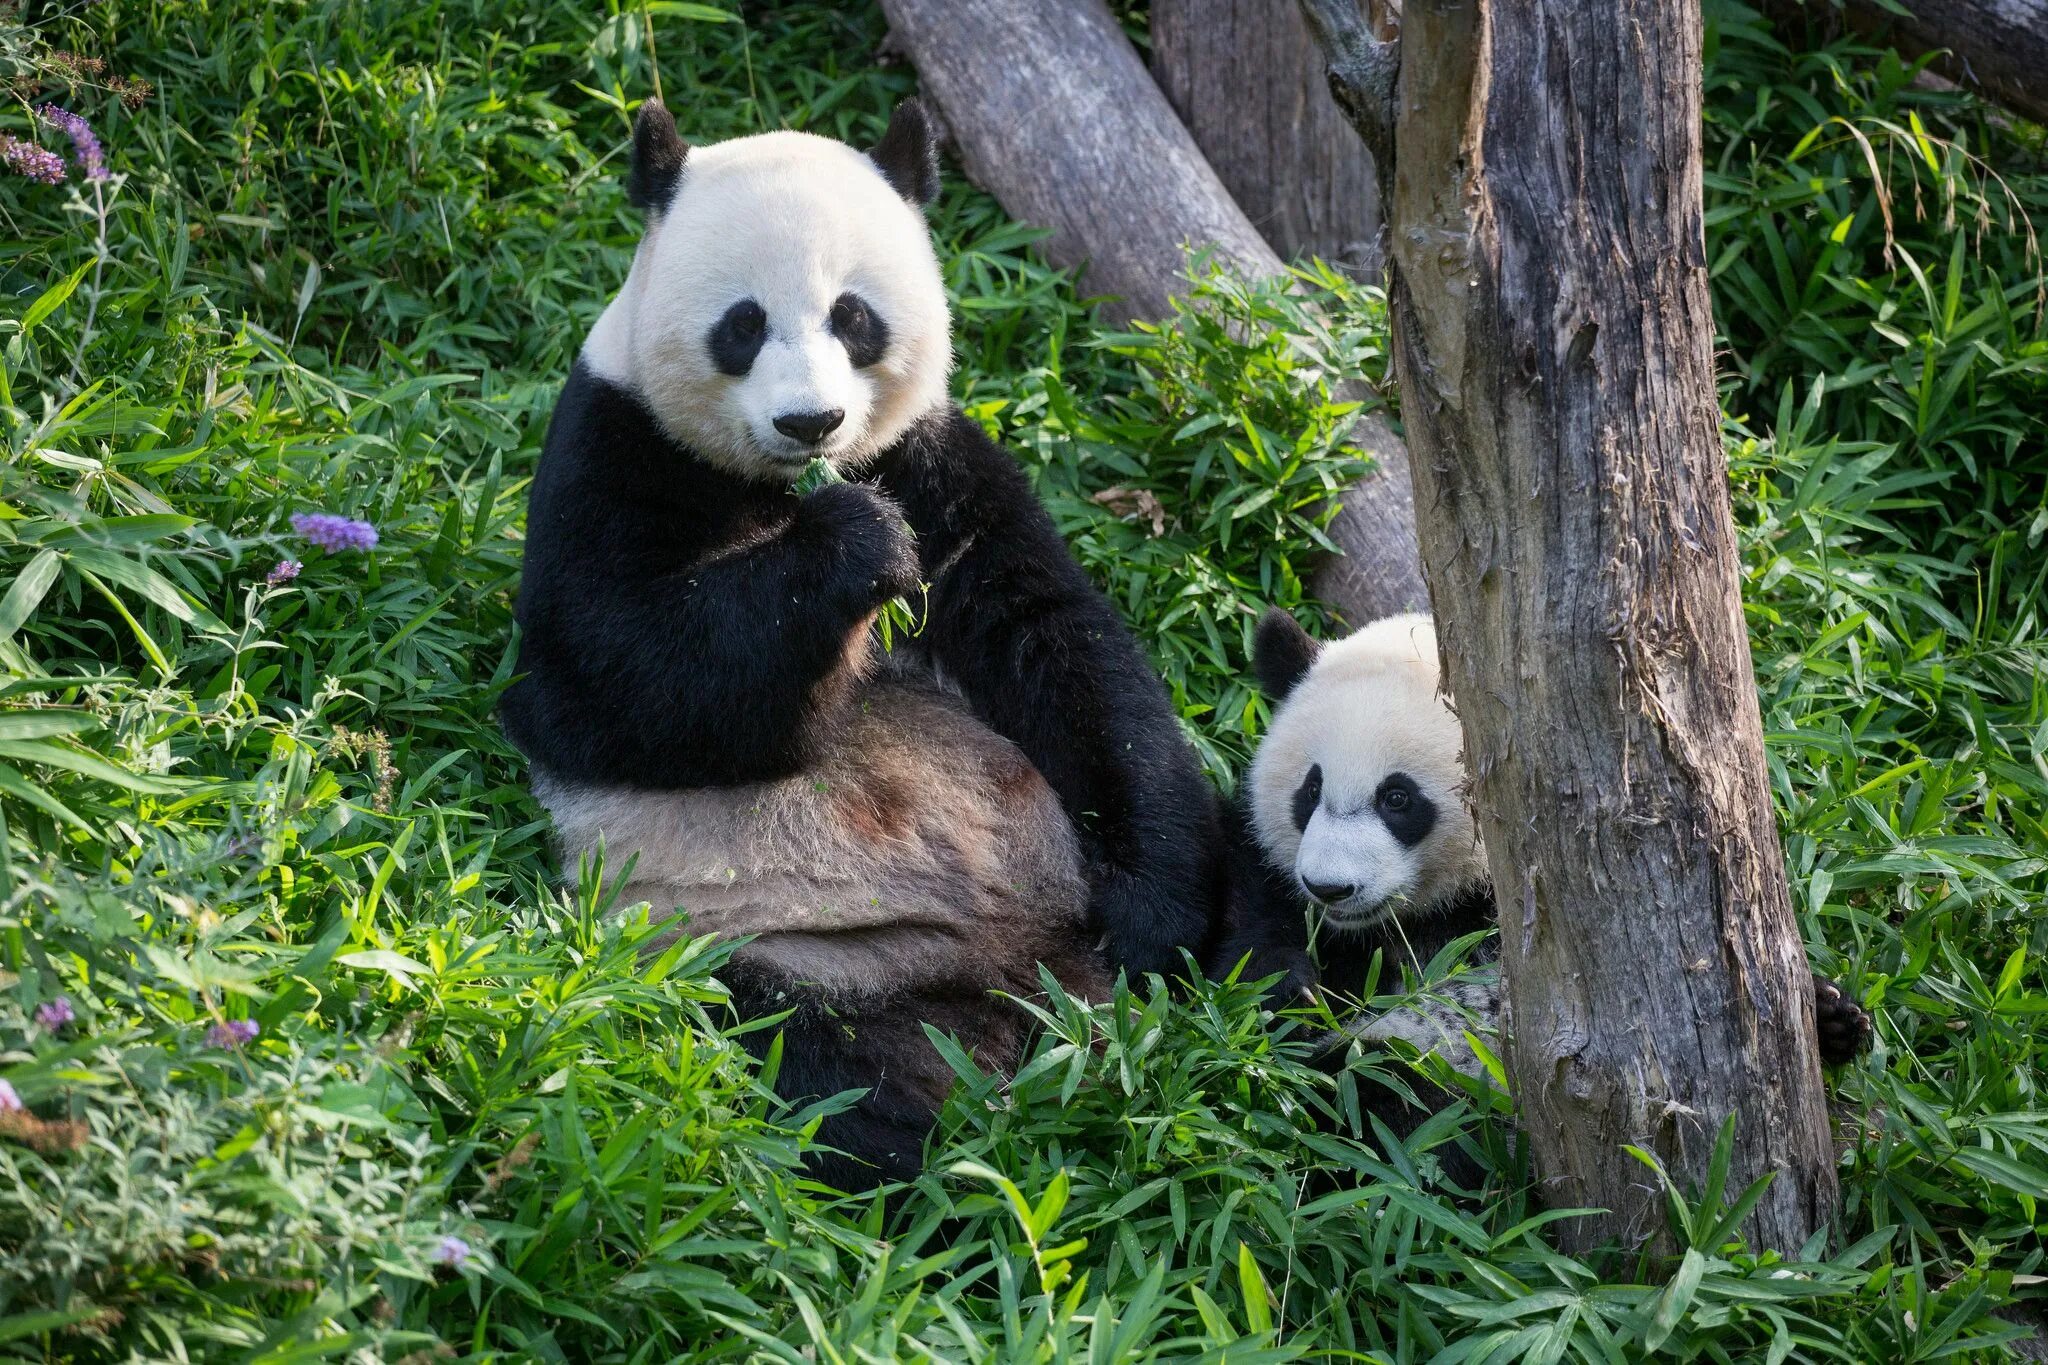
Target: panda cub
{"type": "Point", "coordinates": [1353, 818]}
{"type": "Point", "coordinates": [1352, 822]}
{"type": "Point", "coordinates": [901, 833]}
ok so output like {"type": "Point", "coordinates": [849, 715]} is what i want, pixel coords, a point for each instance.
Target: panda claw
{"type": "Point", "coordinates": [1842, 1025]}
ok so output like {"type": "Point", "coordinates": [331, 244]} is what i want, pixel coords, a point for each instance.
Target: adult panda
{"type": "Point", "coordinates": [1352, 825]}
{"type": "Point", "coordinates": [903, 833]}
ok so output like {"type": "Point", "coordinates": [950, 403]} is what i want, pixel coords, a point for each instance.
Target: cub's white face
{"type": "Point", "coordinates": [1357, 790]}
{"type": "Point", "coordinates": [784, 304]}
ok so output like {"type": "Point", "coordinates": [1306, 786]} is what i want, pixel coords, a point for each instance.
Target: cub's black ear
{"type": "Point", "coordinates": [658, 152]}
{"type": "Point", "coordinates": [908, 154]}
{"type": "Point", "coordinates": [1281, 653]}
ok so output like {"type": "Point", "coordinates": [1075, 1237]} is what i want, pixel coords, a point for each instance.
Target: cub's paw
{"type": "Point", "coordinates": [1296, 988]}
{"type": "Point", "coordinates": [1842, 1024]}
{"type": "Point", "coordinates": [863, 531]}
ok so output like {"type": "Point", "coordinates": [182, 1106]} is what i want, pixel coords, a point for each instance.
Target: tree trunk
{"type": "Point", "coordinates": [1248, 82]}
{"type": "Point", "coordinates": [1552, 338]}
{"type": "Point", "coordinates": [1999, 47]}
{"type": "Point", "coordinates": [1051, 111]}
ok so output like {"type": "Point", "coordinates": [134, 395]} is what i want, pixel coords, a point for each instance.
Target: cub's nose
{"type": "Point", "coordinates": [810, 427]}
{"type": "Point", "coordinates": [1329, 893]}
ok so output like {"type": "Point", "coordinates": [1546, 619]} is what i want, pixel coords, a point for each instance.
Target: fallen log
{"type": "Point", "coordinates": [1051, 110]}
{"type": "Point", "coordinates": [1278, 141]}
{"type": "Point", "coordinates": [1996, 47]}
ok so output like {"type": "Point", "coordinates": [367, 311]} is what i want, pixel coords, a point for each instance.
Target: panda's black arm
{"type": "Point", "coordinates": [1043, 658]}
{"type": "Point", "coordinates": [712, 674]}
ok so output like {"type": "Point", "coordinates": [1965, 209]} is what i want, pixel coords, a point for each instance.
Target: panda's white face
{"type": "Point", "coordinates": [1357, 790]}
{"type": "Point", "coordinates": [784, 304]}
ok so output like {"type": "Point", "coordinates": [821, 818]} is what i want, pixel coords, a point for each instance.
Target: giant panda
{"type": "Point", "coordinates": [1352, 829]}
{"type": "Point", "coordinates": [1350, 835]}
{"type": "Point", "coordinates": [902, 832]}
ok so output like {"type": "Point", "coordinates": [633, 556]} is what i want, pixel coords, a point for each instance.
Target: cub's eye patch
{"type": "Point", "coordinates": [1308, 796]}
{"type": "Point", "coordinates": [1408, 815]}
{"type": "Point", "coordinates": [860, 330]}
{"type": "Point", "coordinates": [737, 336]}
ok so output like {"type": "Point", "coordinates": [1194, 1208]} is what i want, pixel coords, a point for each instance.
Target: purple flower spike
{"type": "Point", "coordinates": [55, 1014]}
{"type": "Point", "coordinates": [334, 534]}
{"type": "Point", "coordinates": [37, 163]}
{"type": "Point", "coordinates": [233, 1033]}
{"type": "Point", "coordinates": [85, 144]}
{"type": "Point", "coordinates": [453, 1252]}
{"type": "Point", "coordinates": [285, 572]}
{"type": "Point", "coordinates": [10, 1103]}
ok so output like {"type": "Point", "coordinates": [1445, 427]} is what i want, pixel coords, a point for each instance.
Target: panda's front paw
{"type": "Point", "coordinates": [1296, 988]}
{"type": "Point", "coordinates": [1842, 1025]}
{"type": "Point", "coordinates": [1146, 925]}
{"type": "Point", "coordinates": [866, 539]}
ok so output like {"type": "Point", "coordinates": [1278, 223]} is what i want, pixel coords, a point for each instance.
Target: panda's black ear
{"type": "Point", "coordinates": [1282, 653]}
{"type": "Point", "coordinates": [658, 152]}
{"type": "Point", "coordinates": [908, 154]}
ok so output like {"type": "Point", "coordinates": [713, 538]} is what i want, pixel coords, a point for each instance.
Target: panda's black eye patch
{"type": "Point", "coordinates": [736, 338]}
{"type": "Point", "coordinates": [1408, 815]}
{"type": "Point", "coordinates": [1308, 796]}
{"type": "Point", "coordinates": [860, 330]}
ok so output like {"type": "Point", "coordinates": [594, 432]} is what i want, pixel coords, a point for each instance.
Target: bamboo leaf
{"type": "Point", "coordinates": [26, 593]}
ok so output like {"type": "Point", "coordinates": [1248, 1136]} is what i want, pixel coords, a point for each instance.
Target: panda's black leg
{"type": "Point", "coordinates": [869, 1148]}
{"type": "Point", "coordinates": [1843, 1025]}
{"type": "Point", "coordinates": [826, 1052]}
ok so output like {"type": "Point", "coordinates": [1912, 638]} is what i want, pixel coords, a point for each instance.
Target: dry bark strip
{"type": "Point", "coordinates": [1051, 110]}
{"type": "Point", "coordinates": [1247, 81]}
{"type": "Point", "coordinates": [1552, 337]}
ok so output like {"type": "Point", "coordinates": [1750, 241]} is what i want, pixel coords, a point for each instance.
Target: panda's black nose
{"type": "Point", "coordinates": [1329, 893]}
{"type": "Point", "coordinates": [810, 427]}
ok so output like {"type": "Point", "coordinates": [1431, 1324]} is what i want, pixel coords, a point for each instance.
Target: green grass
{"type": "Point", "coordinates": [349, 255]}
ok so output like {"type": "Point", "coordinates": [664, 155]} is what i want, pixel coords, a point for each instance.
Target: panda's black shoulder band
{"type": "Point", "coordinates": [658, 153]}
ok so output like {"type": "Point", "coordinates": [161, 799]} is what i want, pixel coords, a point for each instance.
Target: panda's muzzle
{"type": "Point", "coordinates": [1353, 867]}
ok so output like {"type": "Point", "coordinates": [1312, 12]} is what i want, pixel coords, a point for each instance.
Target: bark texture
{"type": "Point", "coordinates": [1380, 572]}
{"type": "Point", "coordinates": [1051, 110]}
{"type": "Point", "coordinates": [1247, 81]}
{"type": "Point", "coordinates": [1553, 334]}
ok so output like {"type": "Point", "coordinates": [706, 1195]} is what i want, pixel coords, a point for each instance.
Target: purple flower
{"type": "Point", "coordinates": [285, 572]}
{"type": "Point", "coordinates": [10, 1103]}
{"type": "Point", "coordinates": [85, 144]}
{"type": "Point", "coordinates": [233, 1033]}
{"type": "Point", "coordinates": [332, 533]}
{"type": "Point", "coordinates": [37, 163]}
{"type": "Point", "coordinates": [453, 1252]}
{"type": "Point", "coordinates": [55, 1014]}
